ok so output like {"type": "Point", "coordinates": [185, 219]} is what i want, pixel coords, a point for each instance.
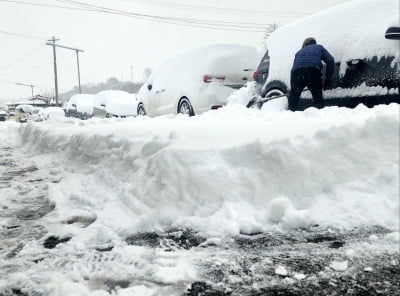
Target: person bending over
{"type": "Point", "coordinates": [307, 72]}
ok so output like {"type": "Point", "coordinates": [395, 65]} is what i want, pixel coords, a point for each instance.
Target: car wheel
{"type": "Point", "coordinates": [274, 93]}
{"type": "Point", "coordinates": [270, 94]}
{"type": "Point", "coordinates": [140, 110]}
{"type": "Point", "coordinates": [185, 107]}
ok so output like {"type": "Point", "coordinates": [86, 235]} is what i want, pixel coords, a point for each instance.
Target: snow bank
{"type": "Point", "coordinates": [228, 171]}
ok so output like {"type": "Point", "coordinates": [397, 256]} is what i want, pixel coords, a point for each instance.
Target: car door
{"type": "Point", "coordinates": [153, 97]}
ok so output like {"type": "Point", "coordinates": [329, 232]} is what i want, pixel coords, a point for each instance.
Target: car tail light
{"type": "Point", "coordinates": [220, 77]}
{"type": "Point", "coordinates": [209, 78]}
{"type": "Point", "coordinates": [255, 74]}
{"type": "Point", "coordinates": [216, 107]}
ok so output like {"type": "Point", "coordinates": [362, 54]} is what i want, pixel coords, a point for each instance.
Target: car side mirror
{"type": "Point", "coordinates": [149, 86]}
{"type": "Point", "coordinates": [393, 33]}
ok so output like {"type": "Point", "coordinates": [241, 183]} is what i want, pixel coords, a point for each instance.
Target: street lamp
{"type": "Point", "coordinates": [32, 86]}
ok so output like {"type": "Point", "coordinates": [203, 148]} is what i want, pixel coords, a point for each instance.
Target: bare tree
{"type": "Point", "coordinates": [268, 31]}
{"type": "Point", "coordinates": [146, 73]}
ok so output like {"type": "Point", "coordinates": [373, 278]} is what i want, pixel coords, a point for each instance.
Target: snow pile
{"type": "Point", "coordinates": [228, 171]}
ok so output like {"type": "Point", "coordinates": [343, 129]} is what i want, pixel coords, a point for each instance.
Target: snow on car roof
{"type": "Point", "coordinates": [349, 31]}
{"type": "Point", "coordinates": [79, 99]}
{"type": "Point", "coordinates": [214, 58]}
{"type": "Point", "coordinates": [104, 96]}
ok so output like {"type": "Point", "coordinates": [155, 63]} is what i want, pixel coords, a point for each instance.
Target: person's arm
{"type": "Point", "coordinates": [330, 63]}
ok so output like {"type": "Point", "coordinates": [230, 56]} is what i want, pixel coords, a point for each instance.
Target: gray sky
{"type": "Point", "coordinates": [116, 45]}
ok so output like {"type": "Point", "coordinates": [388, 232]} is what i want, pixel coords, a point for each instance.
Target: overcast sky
{"type": "Point", "coordinates": [137, 34]}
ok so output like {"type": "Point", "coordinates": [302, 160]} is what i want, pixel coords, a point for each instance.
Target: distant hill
{"type": "Point", "coordinates": [111, 83]}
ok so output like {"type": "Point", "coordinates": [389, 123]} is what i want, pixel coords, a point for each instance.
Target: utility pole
{"type": "Point", "coordinates": [77, 50]}
{"type": "Point", "coordinates": [79, 72]}
{"type": "Point", "coordinates": [53, 39]}
{"type": "Point", "coordinates": [132, 73]}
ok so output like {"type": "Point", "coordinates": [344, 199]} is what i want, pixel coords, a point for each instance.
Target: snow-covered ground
{"type": "Point", "coordinates": [230, 172]}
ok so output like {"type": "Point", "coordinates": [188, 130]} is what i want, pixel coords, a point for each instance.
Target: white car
{"type": "Point", "coordinates": [80, 105]}
{"type": "Point", "coordinates": [34, 114]}
{"type": "Point", "coordinates": [123, 106]}
{"type": "Point", "coordinates": [106, 97]}
{"type": "Point", "coordinates": [197, 80]}
{"type": "Point", "coordinates": [50, 113]}
{"type": "Point", "coordinates": [22, 112]}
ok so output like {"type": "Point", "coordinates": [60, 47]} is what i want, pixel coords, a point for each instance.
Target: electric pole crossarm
{"type": "Point", "coordinates": [58, 45]}
{"type": "Point", "coordinates": [77, 50]}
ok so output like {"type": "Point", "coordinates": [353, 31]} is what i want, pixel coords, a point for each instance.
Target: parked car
{"type": "Point", "coordinates": [106, 97]}
{"type": "Point", "coordinates": [34, 114]}
{"type": "Point", "coordinates": [123, 106]}
{"type": "Point", "coordinates": [197, 80]}
{"type": "Point", "coordinates": [22, 112]}
{"type": "Point", "coordinates": [367, 62]}
{"type": "Point", "coordinates": [50, 113]}
{"type": "Point", "coordinates": [80, 106]}
{"type": "Point", "coordinates": [3, 115]}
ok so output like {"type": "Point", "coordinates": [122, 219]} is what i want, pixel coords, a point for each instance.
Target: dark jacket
{"type": "Point", "coordinates": [311, 56]}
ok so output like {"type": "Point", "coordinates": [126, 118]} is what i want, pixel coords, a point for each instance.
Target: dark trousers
{"type": "Point", "coordinates": [305, 77]}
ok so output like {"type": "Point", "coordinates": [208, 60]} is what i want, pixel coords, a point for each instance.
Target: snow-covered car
{"type": "Point", "coordinates": [106, 97]}
{"type": "Point", "coordinates": [34, 114]}
{"type": "Point", "coordinates": [197, 80]}
{"type": "Point", "coordinates": [122, 106]}
{"type": "Point", "coordinates": [367, 62]}
{"type": "Point", "coordinates": [80, 105]}
{"type": "Point", "coordinates": [50, 113]}
{"type": "Point", "coordinates": [22, 112]}
{"type": "Point", "coordinates": [3, 115]}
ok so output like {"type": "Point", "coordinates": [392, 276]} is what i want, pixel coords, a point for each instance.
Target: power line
{"type": "Point", "coordinates": [110, 10]}
{"type": "Point", "coordinates": [22, 35]}
{"type": "Point", "coordinates": [26, 69]}
{"type": "Point", "coordinates": [220, 25]}
{"type": "Point", "coordinates": [225, 10]}
{"type": "Point", "coordinates": [236, 26]}
{"type": "Point", "coordinates": [22, 58]}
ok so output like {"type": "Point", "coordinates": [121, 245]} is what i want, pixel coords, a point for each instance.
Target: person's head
{"type": "Point", "coordinates": [309, 41]}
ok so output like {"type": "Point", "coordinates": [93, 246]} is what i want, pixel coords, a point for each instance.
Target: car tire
{"type": "Point", "coordinates": [273, 89]}
{"type": "Point", "coordinates": [140, 110]}
{"type": "Point", "coordinates": [185, 107]}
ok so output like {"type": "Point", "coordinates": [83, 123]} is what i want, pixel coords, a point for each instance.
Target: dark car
{"type": "Point", "coordinates": [365, 47]}
{"type": "Point", "coordinates": [261, 73]}
{"type": "Point", "coordinates": [3, 115]}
